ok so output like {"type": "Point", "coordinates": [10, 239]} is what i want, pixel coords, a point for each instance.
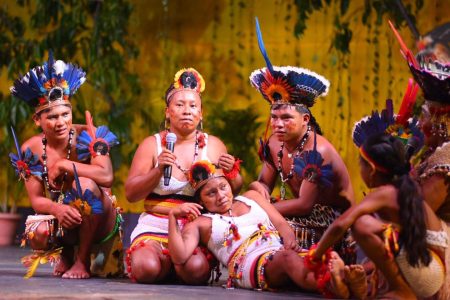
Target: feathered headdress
{"type": "Point", "coordinates": [49, 85]}
{"type": "Point", "coordinates": [186, 79]}
{"type": "Point", "coordinates": [400, 125]}
{"type": "Point", "coordinates": [201, 172]}
{"type": "Point", "coordinates": [86, 203]}
{"type": "Point", "coordinates": [287, 85]}
{"type": "Point", "coordinates": [432, 76]}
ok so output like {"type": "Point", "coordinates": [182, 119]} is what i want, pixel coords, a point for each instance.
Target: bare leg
{"type": "Point", "coordinates": [196, 271]}
{"type": "Point", "coordinates": [40, 238]}
{"type": "Point", "coordinates": [40, 241]}
{"type": "Point", "coordinates": [90, 231]}
{"type": "Point", "coordinates": [336, 267]}
{"type": "Point", "coordinates": [287, 265]}
{"type": "Point", "coordinates": [149, 264]}
{"type": "Point", "coordinates": [367, 231]}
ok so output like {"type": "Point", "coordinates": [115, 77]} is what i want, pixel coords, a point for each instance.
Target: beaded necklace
{"type": "Point", "coordinates": [232, 233]}
{"type": "Point", "coordinates": [44, 158]}
{"type": "Point", "coordinates": [289, 176]}
{"type": "Point", "coordinates": [196, 147]}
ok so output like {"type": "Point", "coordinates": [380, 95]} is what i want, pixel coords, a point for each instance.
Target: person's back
{"type": "Point", "coordinates": [390, 224]}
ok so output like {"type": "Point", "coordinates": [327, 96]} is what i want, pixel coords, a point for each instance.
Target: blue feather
{"type": "Point", "coordinates": [32, 162]}
{"type": "Point", "coordinates": [77, 182]}
{"type": "Point", "coordinates": [95, 203]}
{"type": "Point", "coordinates": [50, 62]}
{"type": "Point", "coordinates": [16, 142]}
{"type": "Point", "coordinates": [88, 196]}
{"type": "Point", "coordinates": [104, 133]}
{"type": "Point", "coordinates": [261, 46]}
{"type": "Point", "coordinates": [84, 140]}
{"type": "Point", "coordinates": [310, 165]}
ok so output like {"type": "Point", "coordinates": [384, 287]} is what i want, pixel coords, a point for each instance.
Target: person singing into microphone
{"type": "Point", "coordinates": [147, 259]}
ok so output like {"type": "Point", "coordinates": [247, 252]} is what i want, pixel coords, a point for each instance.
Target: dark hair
{"type": "Point", "coordinates": [303, 110]}
{"type": "Point", "coordinates": [389, 153]}
{"type": "Point", "coordinates": [171, 87]}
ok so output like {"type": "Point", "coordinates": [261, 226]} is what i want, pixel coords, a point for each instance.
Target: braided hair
{"type": "Point", "coordinates": [389, 153]}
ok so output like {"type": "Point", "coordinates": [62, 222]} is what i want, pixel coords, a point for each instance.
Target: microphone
{"type": "Point", "coordinates": [412, 146]}
{"type": "Point", "coordinates": [171, 138]}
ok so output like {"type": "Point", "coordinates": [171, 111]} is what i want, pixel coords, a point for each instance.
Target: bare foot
{"type": "Point", "coordinates": [61, 267]}
{"type": "Point", "coordinates": [336, 266]}
{"type": "Point", "coordinates": [355, 276]}
{"type": "Point", "coordinates": [77, 271]}
{"type": "Point", "coordinates": [64, 263]}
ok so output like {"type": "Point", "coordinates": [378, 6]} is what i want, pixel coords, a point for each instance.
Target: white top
{"type": "Point", "coordinates": [177, 186]}
{"type": "Point", "coordinates": [247, 225]}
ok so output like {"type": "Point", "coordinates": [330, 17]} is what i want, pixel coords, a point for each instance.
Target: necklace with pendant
{"type": "Point", "coordinates": [232, 233]}
{"type": "Point", "coordinates": [44, 159]}
{"type": "Point", "coordinates": [292, 155]}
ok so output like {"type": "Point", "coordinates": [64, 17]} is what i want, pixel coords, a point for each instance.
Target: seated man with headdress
{"type": "Point", "coordinates": [71, 215]}
{"type": "Point", "coordinates": [432, 72]}
{"type": "Point", "coordinates": [298, 153]}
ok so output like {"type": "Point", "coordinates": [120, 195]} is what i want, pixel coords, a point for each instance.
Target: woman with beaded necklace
{"type": "Point", "coordinates": [146, 259]}
{"type": "Point", "coordinates": [90, 216]}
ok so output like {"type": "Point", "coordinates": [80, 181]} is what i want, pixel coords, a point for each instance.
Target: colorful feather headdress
{"type": "Point", "coordinates": [432, 76]}
{"type": "Point", "coordinates": [186, 79]}
{"type": "Point", "coordinates": [400, 125]}
{"type": "Point", "coordinates": [287, 85]}
{"type": "Point", "coordinates": [49, 85]}
{"type": "Point", "coordinates": [201, 172]}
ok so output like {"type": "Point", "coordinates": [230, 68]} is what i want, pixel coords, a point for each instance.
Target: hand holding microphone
{"type": "Point", "coordinates": [412, 146]}
{"type": "Point", "coordinates": [171, 138]}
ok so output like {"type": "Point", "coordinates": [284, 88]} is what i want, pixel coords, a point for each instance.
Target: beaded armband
{"type": "Point", "coordinates": [25, 163]}
{"type": "Point", "coordinates": [91, 142]}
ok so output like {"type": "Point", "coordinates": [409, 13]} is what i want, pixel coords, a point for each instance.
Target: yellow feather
{"type": "Point", "coordinates": [32, 268]}
{"type": "Point", "coordinates": [43, 260]}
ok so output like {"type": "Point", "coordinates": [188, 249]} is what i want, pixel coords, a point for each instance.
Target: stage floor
{"type": "Point", "coordinates": [44, 286]}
